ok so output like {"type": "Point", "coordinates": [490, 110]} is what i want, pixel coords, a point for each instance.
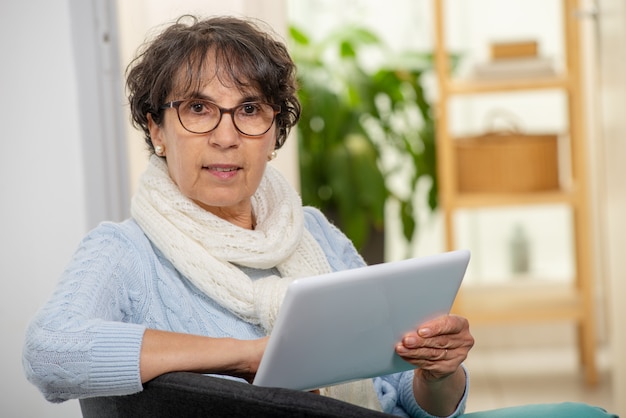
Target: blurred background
{"type": "Point", "coordinates": [407, 98]}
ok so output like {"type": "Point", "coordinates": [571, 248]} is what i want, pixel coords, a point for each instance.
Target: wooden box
{"type": "Point", "coordinates": [513, 49]}
{"type": "Point", "coordinates": [507, 163]}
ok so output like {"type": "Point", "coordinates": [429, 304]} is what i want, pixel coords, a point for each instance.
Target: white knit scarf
{"type": "Point", "coordinates": [207, 250]}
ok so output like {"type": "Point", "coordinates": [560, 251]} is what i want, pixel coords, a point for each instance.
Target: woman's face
{"type": "Point", "coordinates": [219, 170]}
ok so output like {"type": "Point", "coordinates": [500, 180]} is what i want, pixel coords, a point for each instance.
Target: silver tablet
{"type": "Point", "coordinates": [343, 326]}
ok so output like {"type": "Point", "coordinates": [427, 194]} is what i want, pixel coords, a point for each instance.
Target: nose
{"type": "Point", "coordinates": [225, 135]}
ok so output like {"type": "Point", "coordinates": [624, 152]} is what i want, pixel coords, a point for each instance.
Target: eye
{"type": "Point", "coordinates": [199, 107]}
{"type": "Point", "coordinates": [249, 109]}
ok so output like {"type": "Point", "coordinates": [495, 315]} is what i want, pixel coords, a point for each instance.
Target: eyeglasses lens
{"type": "Point", "coordinates": [201, 116]}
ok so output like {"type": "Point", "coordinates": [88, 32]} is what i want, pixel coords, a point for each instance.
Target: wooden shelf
{"type": "Point", "coordinates": [519, 303]}
{"type": "Point", "coordinates": [506, 85]}
{"type": "Point", "coordinates": [475, 200]}
{"type": "Point", "coordinates": [532, 300]}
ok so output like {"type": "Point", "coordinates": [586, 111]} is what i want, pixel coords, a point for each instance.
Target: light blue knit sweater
{"type": "Point", "coordinates": [86, 340]}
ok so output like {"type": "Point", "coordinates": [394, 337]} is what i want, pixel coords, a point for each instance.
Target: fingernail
{"type": "Point", "coordinates": [410, 341]}
{"type": "Point", "coordinates": [424, 332]}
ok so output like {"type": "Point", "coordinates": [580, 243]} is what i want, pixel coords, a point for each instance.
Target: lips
{"type": "Point", "coordinates": [221, 169]}
{"type": "Point", "coordinates": [223, 172]}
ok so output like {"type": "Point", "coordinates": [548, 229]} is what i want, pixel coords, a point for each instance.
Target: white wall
{"type": "Point", "coordinates": [42, 216]}
{"type": "Point", "coordinates": [611, 101]}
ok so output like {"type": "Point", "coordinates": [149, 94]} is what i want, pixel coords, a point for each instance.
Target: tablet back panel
{"type": "Point", "coordinates": [343, 326]}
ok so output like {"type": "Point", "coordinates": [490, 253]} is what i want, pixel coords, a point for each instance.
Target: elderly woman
{"type": "Point", "coordinates": [194, 280]}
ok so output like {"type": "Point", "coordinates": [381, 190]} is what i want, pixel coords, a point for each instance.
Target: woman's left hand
{"type": "Point", "coordinates": [438, 347]}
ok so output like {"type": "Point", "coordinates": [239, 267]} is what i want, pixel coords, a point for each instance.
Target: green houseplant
{"type": "Point", "coordinates": [366, 134]}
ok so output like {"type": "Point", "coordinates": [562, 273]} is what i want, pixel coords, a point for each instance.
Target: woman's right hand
{"type": "Point", "coordinates": [163, 352]}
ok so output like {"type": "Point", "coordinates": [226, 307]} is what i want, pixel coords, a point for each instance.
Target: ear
{"type": "Point", "coordinates": [156, 134]}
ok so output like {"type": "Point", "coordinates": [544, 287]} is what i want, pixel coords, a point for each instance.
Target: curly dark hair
{"type": "Point", "coordinates": [174, 62]}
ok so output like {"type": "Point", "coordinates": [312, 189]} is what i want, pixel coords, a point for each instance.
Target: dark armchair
{"type": "Point", "coordinates": [184, 395]}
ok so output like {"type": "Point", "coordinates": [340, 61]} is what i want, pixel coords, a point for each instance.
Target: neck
{"type": "Point", "coordinates": [243, 218]}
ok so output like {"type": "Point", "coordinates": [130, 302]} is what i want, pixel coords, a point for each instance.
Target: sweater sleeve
{"type": "Point", "coordinates": [81, 343]}
{"type": "Point", "coordinates": [395, 393]}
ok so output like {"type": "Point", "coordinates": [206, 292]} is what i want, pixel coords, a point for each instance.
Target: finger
{"type": "Point", "coordinates": [413, 340]}
{"type": "Point", "coordinates": [425, 353]}
{"type": "Point", "coordinates": [437, 362]}
{"type": "Point", "coordinates": [443, 325]}
{"type": "Point", "coordinates": [440, 342]}
{"type": "Point", "coordinates": [419, 352]}
{"type": "Point", "coordinates": [452, 353]}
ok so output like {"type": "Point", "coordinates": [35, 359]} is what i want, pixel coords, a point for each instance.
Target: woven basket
{"type": "Point", "coordinates": [507, 162]}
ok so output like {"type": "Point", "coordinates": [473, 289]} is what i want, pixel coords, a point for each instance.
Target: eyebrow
{"type": "Point", "coordinates": [244, 99]}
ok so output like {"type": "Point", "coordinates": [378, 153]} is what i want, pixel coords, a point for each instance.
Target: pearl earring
{"type": "Point", "coordinates": [273, 155]}
{"type": "Point", "coordinates": [158, 149]}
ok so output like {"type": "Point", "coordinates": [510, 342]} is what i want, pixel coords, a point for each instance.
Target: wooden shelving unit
{"type": "Point", "coordinates": [532, 301]}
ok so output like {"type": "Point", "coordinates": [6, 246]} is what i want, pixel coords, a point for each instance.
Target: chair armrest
{"type": "Point", "coordinates": [183, 394]}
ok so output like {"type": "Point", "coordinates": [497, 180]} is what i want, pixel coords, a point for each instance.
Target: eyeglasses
{"type": "Point", "coordinates": [202, 116]}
